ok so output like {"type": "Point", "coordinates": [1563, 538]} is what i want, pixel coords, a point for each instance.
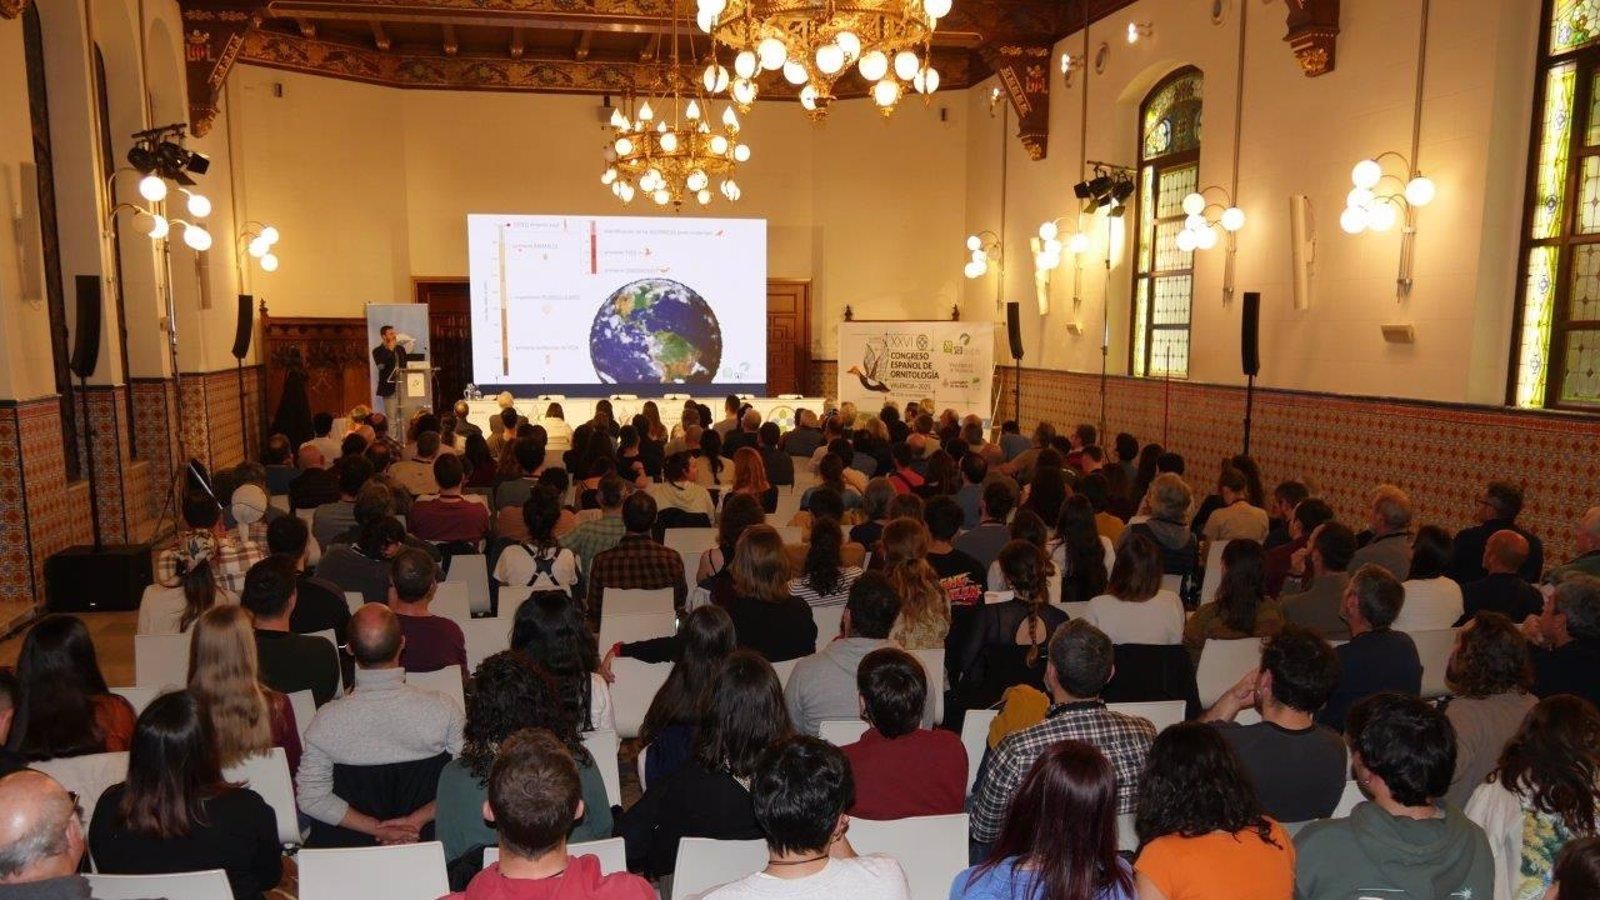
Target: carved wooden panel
{"type": "Point", "coordinates": [449, 335]}
{"type": "Point", "coordinates": [334, 352]}
{"type": "Point", "coordinates": [788, 336]}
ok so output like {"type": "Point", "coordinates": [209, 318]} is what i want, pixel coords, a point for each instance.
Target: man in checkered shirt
{"type": "Point", "coordinates": [1080, 666]}
{"type": "Point", "coordinates": [229, 556]}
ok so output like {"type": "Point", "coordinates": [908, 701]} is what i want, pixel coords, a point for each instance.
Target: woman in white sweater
{"type": "Point", "coordinates": [1433, 602]}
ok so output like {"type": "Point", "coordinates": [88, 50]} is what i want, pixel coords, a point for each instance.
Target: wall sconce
{"type": "Point", "coordinates": [1380, 198]}
{"type": "Point", "coordinates": [196, 237]}
{"type": "Point", "coordinates": [1069, 65]}
{"type": "Point", "coordinates": [1048, 248]}
{"type": "Point", "coordinates": [1137, 30]}
{"type": "Point", "coordinates": [1200, 228]}
{"type": "Point", "coordinates": [983, 247]}
{"type": "Point", "coordinates": [258, 239]}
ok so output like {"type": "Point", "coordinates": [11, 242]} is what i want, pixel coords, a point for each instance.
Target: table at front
{"type": "Point", "coordinates": [577, 410]}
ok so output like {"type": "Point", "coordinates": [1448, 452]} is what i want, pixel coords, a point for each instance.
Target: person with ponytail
{"type": "Point", "coordinates": [1006, 644]}
{"type": "Point", "coordinates": [173, 607]}
{"type": "Point", "coordinates": [924, 609]}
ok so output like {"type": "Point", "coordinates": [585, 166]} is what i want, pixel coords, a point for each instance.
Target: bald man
{"type": "Point", "coordinates": [1587, 540]}
{"type": "Point", "coordinates": [315, 485]}
{"type": "Point", "coordinates": [41, 839]}
{"type": "Point", "coordinates": [389, 740]}
{"type": "Point", "coordinates": [1502, 590]}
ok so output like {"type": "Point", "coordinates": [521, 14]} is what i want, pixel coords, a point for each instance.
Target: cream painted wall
{"type": "Point", "coordinates": [25, 367]}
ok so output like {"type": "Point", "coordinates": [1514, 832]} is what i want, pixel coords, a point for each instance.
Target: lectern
{"type": "Point", "coordinates": [414, 387]}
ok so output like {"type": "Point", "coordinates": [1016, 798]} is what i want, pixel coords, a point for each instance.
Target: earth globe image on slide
{"type": "Point", "coordinates": [655, 331]}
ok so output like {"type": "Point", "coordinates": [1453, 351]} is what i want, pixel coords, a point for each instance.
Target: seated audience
{"type": "Point", "coordinates": [1241, 607]}
{"type": "Point", "coordinates": [246, 716]}
{"type": "Point", "coordinates": [924, 610]}
{"type": "Point", "coordinates": [1006, 643]}
{"type": "Point", "coordinates": [767, 618]}
{"type": "Point", "coordinates": [533, 792]}
{"type": "Point", "coordinates": [415, 473]}
{"type": "Point", "coordinates": [1497, 511]}
{"type": "Point", "coordinates": [1027, 526]}
{"type": "Point", "coordinates": [1286, 497]}
{"type": "Point", "coordinates": [551, 632]}
{"type": "Point", "coordinates": [679, 491]}
{"type": "Point", "coordinates": [960, 576]}
{"type": "Point", "coordinates": [1405, 842]}
{"type": "Point", "coordinates": [594, 536]}
{"type": "Point", "coordinates": [1136, 609]}
{"type": "Point", "coordinates": [1541, 794]}
{"type": "Point", "coordinates": [984, 541]}
{"type": "Point", "coordinates": [41, 839]}
{"type": "Point", "coordinates": [1502, 590]}
{"type": "Point", "coordinates": [539, 562]}
{"type": "Point", "coordinates": [1433, 601]}
{"type": "Point", "coordinates": [1298, 768]}
{"type": "Point", "coordinates": [228, 557]}
{"type": "Point", "coordinates": [1202, 831]}
{"type": "Point", "coordinates": [823, 579]}
{"type": "Point", "coordinates": [319, 603]}
{"type": "Point", "coordinates": [699, 651]}
{"type": "Point", "coordinates": [779, 465]}
{"type": "Point", "coordinates": [63, 706]}
{"type": "Point", "coordinates": [1079, 668]}
{"type": "Point", "coordinates": [804, 438]}
{"type": "Point", "coordinates": [969, 494]}
{"type": "Point", "coordinates": [709, 795]}
{"type": "Point", "coordinates": [1314, 594]}
{"type": "Point", "coordinates": [315, 484]}
{"type": "Point", "coordinates": [875, 506]}
{"type": "Point", "coordinates": [1389, 524]}
{"type": "Point", "coordinates": [510, 693]}
{"type": "Point", "coordinates": [385, 742]}
{"type": "Point", "coordinates": [1303, 521]}
{"type": "Point", "coordinates": [449, 517]}
{"type": "Point", "coordinates": [1078, 552]}
{"type": "Point", "coordinates": [637, 562]}
{"type": "Point", "coordinates": [824, 684]}
{"type": "Point", "coordinates": [363, 567]}
{"type": "Point", "coordinates": [739, 513]}
{"type": "Point", "coordinates": [529, 456]}
{"type": "Point", "coordinates": [289, 662]}
{"type": "Point", "coordinates": [900, 768]}
{"type": "Point", "coordinates": [176, 813]}
{"type": "Point", "coordinates": [1489, 675]}
{"type": "Point", "coordinates": [1377, 658]}
{"type": "Point", "coordinates": [334, 518]}
{"type": "Point", "coordinates": [1566, 639]}
{"type": "Point", "coordinates": [323, 439]}
{"type": "Point", "coordinates": [1586, 540]}
{"type": "Point", "coordinates": [1235, 517]}
{"type": "Point", "coordinates": [1168, 500]}
{"type": "Point", "coordinates": [172, 609]}
{"type": "Point", "coordinates": [431, 642]}
{"type": "Point", "coordinates": [802, 792]}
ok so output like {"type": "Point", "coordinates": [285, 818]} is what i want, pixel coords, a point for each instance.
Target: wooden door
{"type": "Point", "coordinates": [788, 336]}
{"type": "Point", "coordinates": [449, 335]}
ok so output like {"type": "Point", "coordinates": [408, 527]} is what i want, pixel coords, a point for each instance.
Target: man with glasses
{"type": "Point", "coordinates": [41, 839]}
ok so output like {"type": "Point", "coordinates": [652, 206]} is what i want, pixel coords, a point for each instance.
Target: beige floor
{"type": "Point", "coordinates": [113, 643]}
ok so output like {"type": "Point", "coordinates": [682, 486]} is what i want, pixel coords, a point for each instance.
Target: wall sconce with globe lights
{"type": "Point", "coordinates": [1137, 30]}
{"type": "Point", "coordinates": [1381, 198]}
{"type": "Point", "coordinates": [1048, 249]}
{"type": "Point", "coordinates": [258, 239]}
{"type": "Point", "coordinates": [982, 248]}
{"type": "Point", "coordinates": [1204, 220]}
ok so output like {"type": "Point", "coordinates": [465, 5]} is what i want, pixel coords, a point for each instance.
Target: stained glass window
{"type": "Point", "coordinates": [1574, 24]}
{"type": "Point", "coordinates": [1169, 168]}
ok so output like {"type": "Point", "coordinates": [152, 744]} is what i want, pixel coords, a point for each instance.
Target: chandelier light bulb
{"type": "Point", "coordinates": [624, 146]}
{"type": "Point", "coordinates": [975, 269]}
{"type": "Point", "coordinates": [1194, 204]}
{"type": "Point", "coordinates": [1079, 243]}
{"type": "Point", "coordinates": [719, 144]}
{"type": "Point", "coordinates": [744, 92]}
{"type": "Point", "coordinates": [269, 263]}
{"type": "Point", "coordinates": [197, 238]}
{"type": "Point", "coordinates": [906, 65]}
{"type": "Point", "coordinates": [981, 257]}
{"type": "Point", "coordinates": [1233, 218]}
{"type": "Point", "coordinates": [1353, 220]}
{"type": "Point", "coordinates": [849, 43]}
{"type": "Point", "coordinates": [609, 177]}
{"type": "Point", "coordinates": [152, 188]}
{"type": "Point", "coordinates": [692, 111]}
{"type": "Point", "coordinates": [1133, 32]}
{"type": "Point", "coordinates": [795, 73]}
{"type": "Point", "coordinates": [715, 79]}
{"type": "Point", "coordinates": [1366, 174]}
{"type": "Point", "coordinates": [646, 113]}
{"type": "Point", "coordinates": [618, 120]}
{"type": "Point", "coordinates": [270, 235]}
{"type": "Point", "coordinates": [698, 180]}
{"type": "Point", "coordinates": [669, 143]}
{"type": "Point", "coordinates": [1049, 231]}
{"type": "Point", "coordinates": [143, 222]}
{"type": "Point", "coordinates": [1194, 222]}
{"type": "Point", "coordinates": [936, 9]}
{"type": "Point", "coordinates": [1420, 191]}
{"type": "Point", "coordinates": [926, 80]}
{"type": "Point", "coordinates": [874, 65]}
{"type": "Point", "coordinates": [744, 65]}
{"type": "Point", "coordinates": [159, 228]}
{"type": "Point", "coordinates": [705, 21]}
{"type": "Point", "coordinates": [1205, 238]}
{"type": "Point", "coordinates": [886, 92]}
{"type": "Point", "coordinates": [662, 197]}
{"type": "Point", "coordinates": [1382, 217]}
{"type": "Point", "coordinates": [830, 59]}
{"type": "Point", "coordinates": [1187, 241]}
{"type": "Point", "coordinates": [771, 53]}
{"type": "Point", "coordinates": [808, 98]}
{"type": "Point", "coordinates": [199, 205]}
{"type": "Point", "coordinates": [741, 153]}
{"type": "Point", "coordinates": [974, 242]}
{"type": "Point", "coordinates": [1358, 197]}
{"type": "Point", "coordinates": [627, 192]}
{"type": "Point", "coordinates": [714, 7]}
{"type": "Point", "coordinates": [258, 248]}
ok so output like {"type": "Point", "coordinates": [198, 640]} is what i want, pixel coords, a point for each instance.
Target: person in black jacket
{"type": "Point", "coordinates": [175, 813]}
{"type": "Point", "coordinates": [767, 617]}
{"type": "Point", "coordinates": [389, 356]}
{"type": "Point", "coordinates": [1497, 511]}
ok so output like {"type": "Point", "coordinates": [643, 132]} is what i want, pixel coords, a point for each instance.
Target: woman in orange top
{"type": "Point", "coordinates": [1202, 834]}
{"type": "Point", "coordinates": [63, 705]}
{"type": "Point", "coordinates": [750, 477]}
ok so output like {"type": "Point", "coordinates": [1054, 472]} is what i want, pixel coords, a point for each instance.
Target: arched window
{"type": "Point", "coordinates": [1556, 347]}
{"type": "Point", "coordinates": [1163, 279]}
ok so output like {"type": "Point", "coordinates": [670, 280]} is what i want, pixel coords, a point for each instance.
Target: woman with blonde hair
{"type": "Point", "coordinates": [656, 430]}
{"type": "Point", "coordinates": [766, 616]}
{"type": "Point", "coordinates": [750, 477]}
{"type": "Point", "coordinates": [246, 716]}
{"type": "Point", "coordinates": [924, 609]}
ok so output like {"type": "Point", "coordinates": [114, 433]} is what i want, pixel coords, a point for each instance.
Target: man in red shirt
{"type": "Point", "coordinates": [449, 516]}
{"type": "Point", "coordinates": [900, 768]}
{"type": "Point", "coordinates": [431, 642]}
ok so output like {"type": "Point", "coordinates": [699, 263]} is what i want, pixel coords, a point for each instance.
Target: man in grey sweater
{"type": "Point", "coordinates": [823, 685]}
{"type": "Point", "coordinates": [382, 721]}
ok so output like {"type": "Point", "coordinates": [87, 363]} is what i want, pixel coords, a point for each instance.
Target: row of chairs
{"type": "Point", "coordinates": [1224, 662]}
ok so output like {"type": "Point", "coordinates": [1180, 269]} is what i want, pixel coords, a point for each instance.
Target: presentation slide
{"type": "Point", "coordinates": [596, 305]}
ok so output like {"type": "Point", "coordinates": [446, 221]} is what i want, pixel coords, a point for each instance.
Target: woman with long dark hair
{"type": "Point", "coordinates": [709, 465]}
{"type": "Point", "coordinates": [480, 462]}
{"type": "Point", "coordinates": [175, 813]}
{"type": "Point", "coordinates": [703, 645]}
{"type": "Point", "coordinates": [709, 795]}
{"type": "Point", "coordinates": [1025, 526]}
{"type": "Point", "coordinates": [1544, 793]}
{"type": "Point", "coordinates": [172, 608]}
{"type": "Point", "coordinates": [824, 579]}
{"type": "Point", "coordinates": [1433, 599]}
{"type": "Point", "coordinates": [654, 429]}
{"type": "Point", "coordinates": [63, 707]}
{"type": "Point", "coordinates": [1059, 840]}
{"type": "Point", "coordinates": [1136, 609]}
{"type": "Point", "coordinates": [1241, 607]}
{"type": "Point", "coordinates": [540, 562]}
{"type": "Point", "coordinates": [1046, 493]}
{"type": "Point", "coordinates": [1202, 833]}
{"type": "Point", "coordinates": [510, 693]}
{"type": "Point", "coordinates": [740, 512]}
{"type": "Point", "coordinates": [1006, 645]}
{"type": "Point", "coordinates": [1147, 470]}
{"type": "Point", "coordinates": [550, 629]}
{"type": "Point", "coordinates": [767, 618]}
{"type": "Point", "coordinates": [1077, 551]}
{"type": "Point", "coordinates": [941, 478]}
{"type": "Point", "coordinates": [630, 464]}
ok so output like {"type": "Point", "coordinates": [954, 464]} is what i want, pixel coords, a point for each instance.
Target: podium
{"type": "Point", "coordinates": [413, 388]}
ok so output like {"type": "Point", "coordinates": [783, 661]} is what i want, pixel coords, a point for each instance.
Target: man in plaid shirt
{"type": "Point", "coordinates": [596, 535]}
{"type": "Point", "coordinates": [1080, 666]}
{"type": "Point", "coordinates": [637, 562]}
{"type": "Point", "coordinates": [230, 560]}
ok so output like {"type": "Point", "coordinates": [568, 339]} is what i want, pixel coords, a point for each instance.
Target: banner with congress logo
{"type": "Point", "coordinates": [951, 363]}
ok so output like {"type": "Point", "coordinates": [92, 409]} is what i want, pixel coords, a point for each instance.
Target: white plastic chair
{"type": "Point", "coordinates": [211, 884]}
{"type": "Point", "coordinates": [355, 600]}
{"type": "Point", "coordinates": [1213, 576]}
{"type": "Point", "coordinates": [268, 775]}
{"type": "Point", "coordinates": [931, 849]}
{"type": "Point", "coordinates": [639, 764]}
{"type": "Point", "coordinates": [279, 502]}
{"type": "Point", "coordinates": [975, 738]}
{"type": "Point", "coordinates": [839, 732]}
{"type": "Point", "coordinates": [512, 596]}
{"type": "Point", "coordinates": [1160, 713]}
{"type": "Point", "coordinates": [604, 746]}
{"type": "Point", "coordinates": [450, 602]}
{"type": "Point", "coordinates": [400, 872]}
{"type": "Point", "coordinates": [1111, 552]}
{"type": "Point", "coordinates": [471, 570]}
{"type": "Point", "coordinates": [87, 776]}
{"type": "Point", "coordinates": [626, 602]}
{"type": "Point", "coordinates": [304, 704]}
{"type": "Point", "coordinates": [1222, 664]}
{"type": "Point", "coordinates": [611, 852]}
{"type": "Point", "coordinates": [1173, 583]}
{"type": "Point", "coordinates": [690, 543]}
{"type": "Point", "coordinates": [622, 628]}
{"type": "Point", "coordinates": [138, 697]}
{"type": "Point", "coordinates": [446, 681]}
{"type": "Point", "coordinates": [1127, 836]}
{"type": "Point", "coordinates": [829, 620]}
{"type": "Point", "coordinates": [789, 533]}
{"type": "Point", "coordinates": [704, 863]}
{"type": "Point", "coordinates": [1077, 609]}
{"type": "Point", "coordinates": [161, 660]}
{"type": "Point", "coordinates": [1349, 800]}
{"type": "Point", "coordinates": [784, 670]}
{"type": "Point", "coordinates": [1434, 649]}
{"type": "Point", "coordinates": [636, 685]}
{"type": "Point", "coordinates": [485, 638]}
{"type": "Point", "coordinates": [933, 664]}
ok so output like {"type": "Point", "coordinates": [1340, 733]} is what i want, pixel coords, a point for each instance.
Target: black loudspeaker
{"type": "Point", "coordinates": [241, 332]}
{"type": "Point", "coordinates": [86, 337]}
{"type": "Point", "coordinates": [1014, 327]}
{"type": "Point", "coordinates": [1250, 333]}
{"type": "Point", "coordinates": [83, 579]}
